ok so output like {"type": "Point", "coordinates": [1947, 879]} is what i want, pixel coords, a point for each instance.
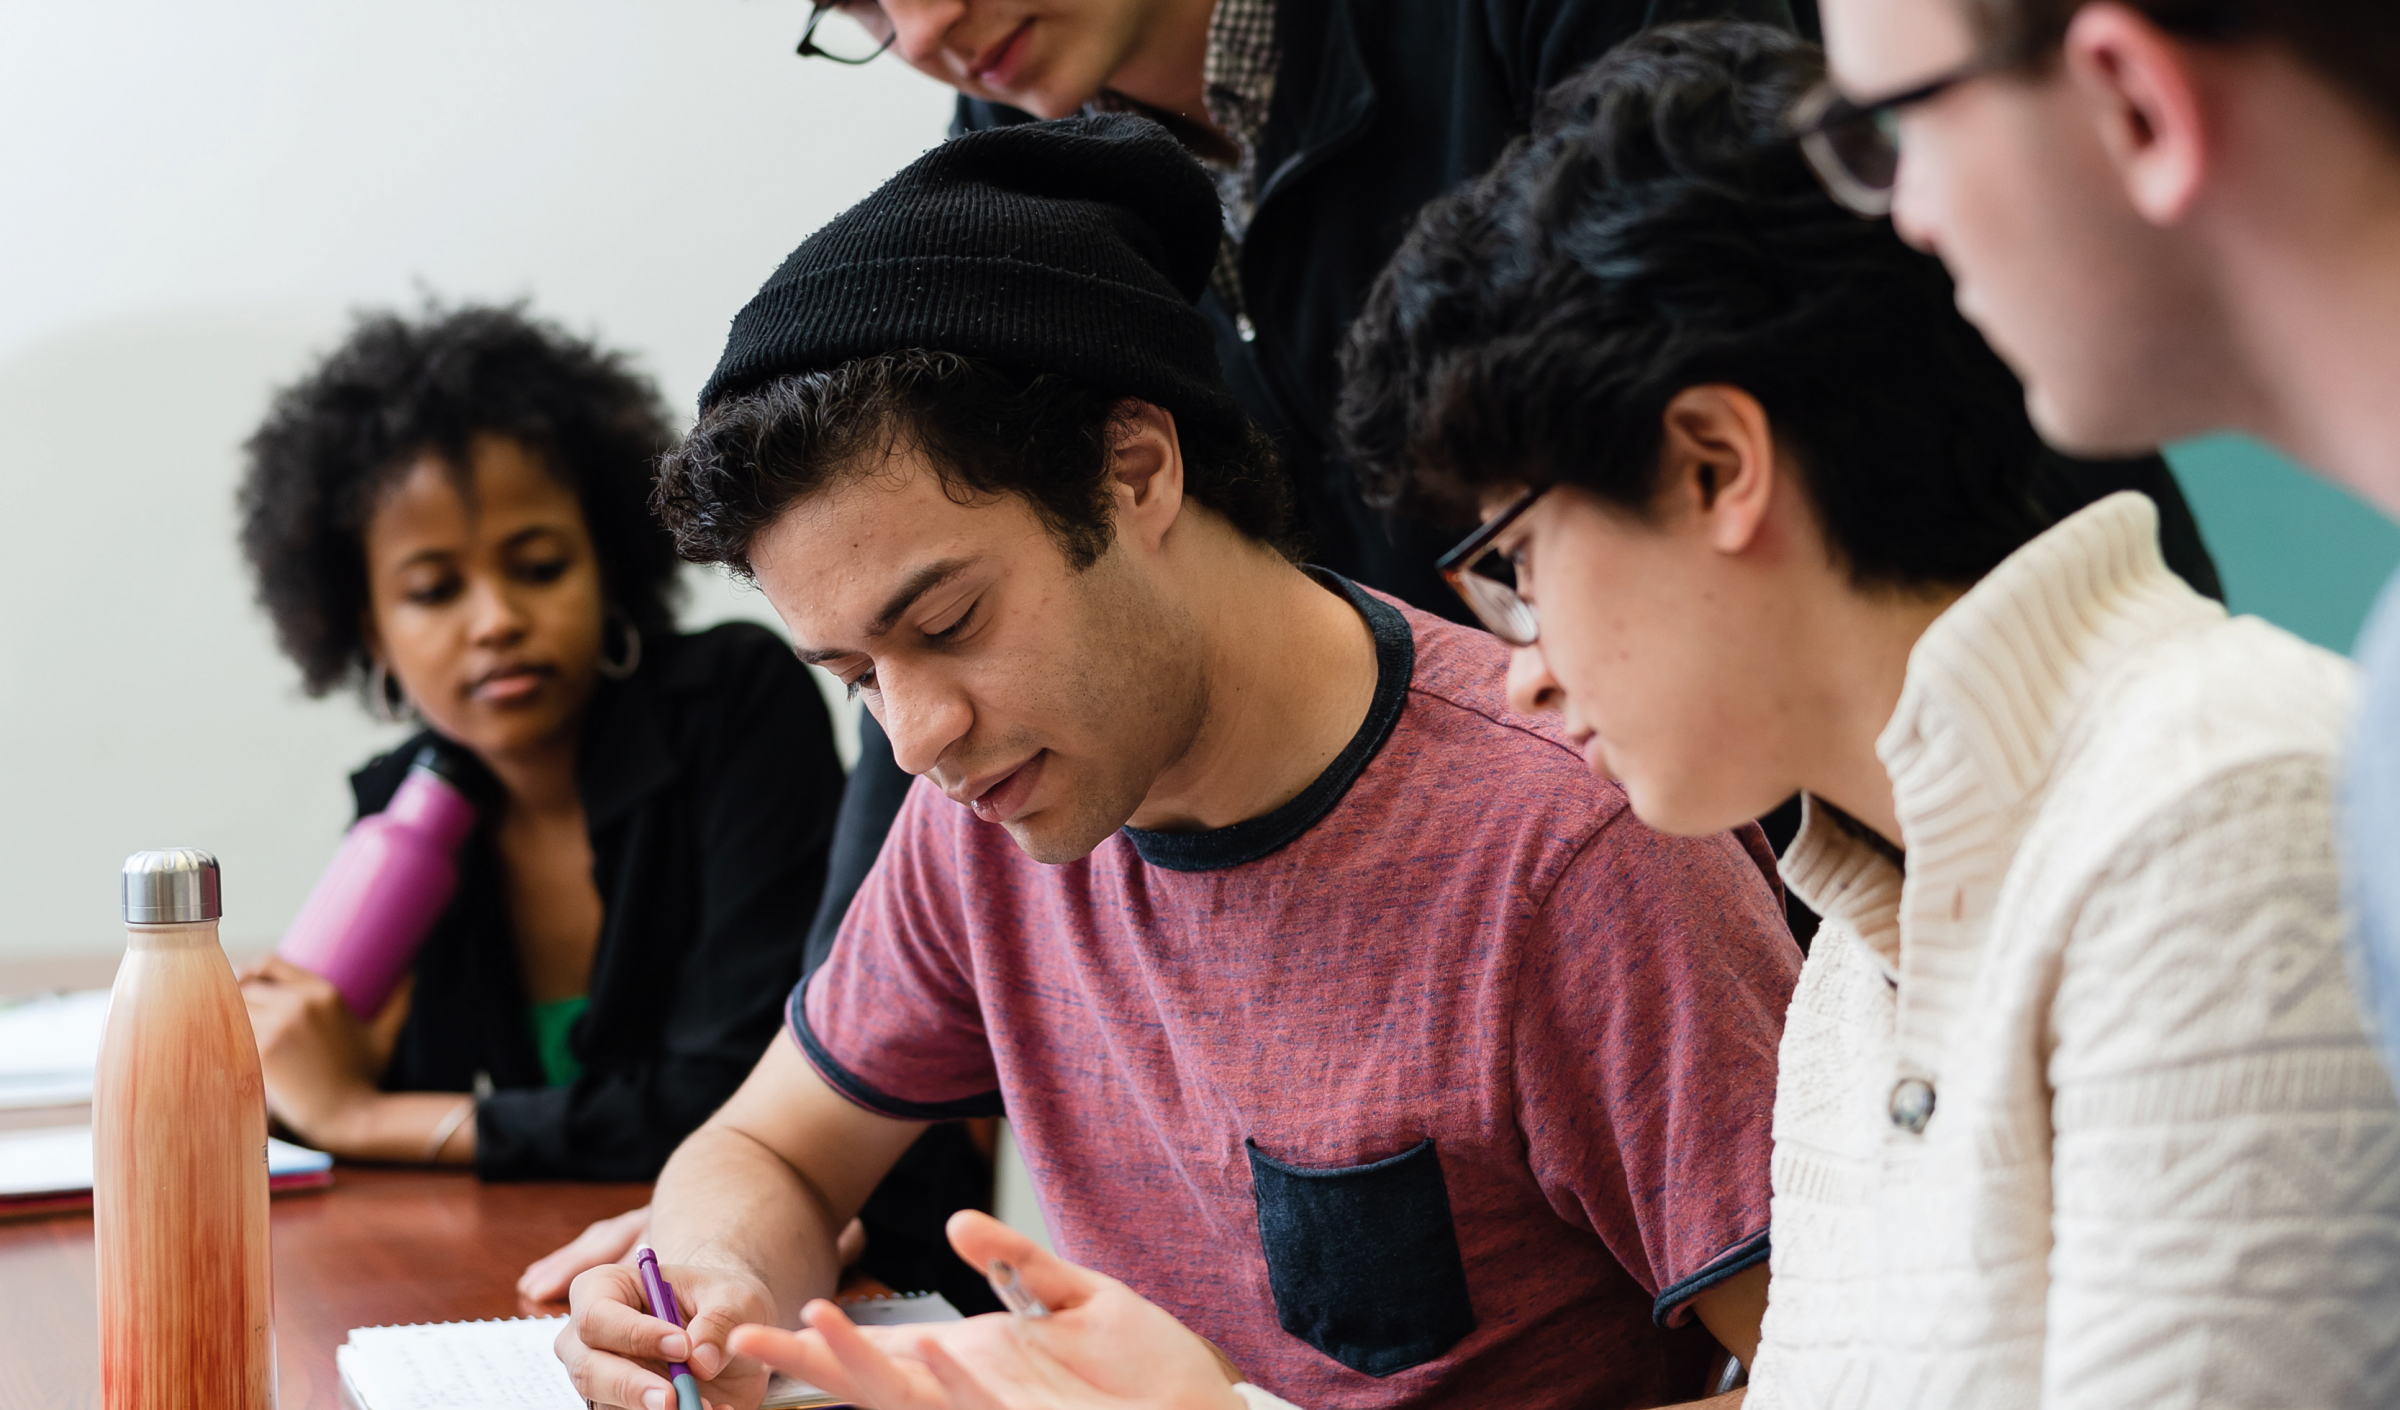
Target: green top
{"type": "Point", "coordinates": [552, 1020]}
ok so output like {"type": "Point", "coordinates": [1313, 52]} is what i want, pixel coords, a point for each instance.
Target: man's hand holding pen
{"type": "Point", "coordinates": [616, 1352]}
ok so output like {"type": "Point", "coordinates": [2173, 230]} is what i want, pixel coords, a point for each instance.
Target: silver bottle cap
{"type": "Point", "coordinates": [172, 887]}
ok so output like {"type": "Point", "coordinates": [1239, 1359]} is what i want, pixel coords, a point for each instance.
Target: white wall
{"type": "Point", "coordinates": [191, 197]}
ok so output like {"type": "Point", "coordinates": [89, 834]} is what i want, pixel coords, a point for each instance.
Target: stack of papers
{"type": "Point", "coordinates": [46, 1171]}
{"type": "Point", "coordinates": [49, 1044]}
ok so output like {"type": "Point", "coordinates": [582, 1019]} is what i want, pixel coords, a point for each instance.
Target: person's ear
{"type": "Point", "coordinates": [1146, 469]}
{"type": "Point", "coordinates": [1718, 453]}
{"type": "Point", "coordinates": [2139, 85]}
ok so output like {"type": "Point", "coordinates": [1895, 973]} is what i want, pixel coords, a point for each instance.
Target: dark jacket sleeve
{"type": "Point", "coordinates": [876, 790]}
{"type": "Point", "coordinates": [710, 896]}
{"type": "Point", "coordinates": [943, 1171]}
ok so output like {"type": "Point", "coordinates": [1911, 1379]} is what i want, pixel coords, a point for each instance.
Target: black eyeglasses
{"type": "Point", "coordinates": [1855, 147]}
{"type": "Point", "coordinates": [1474, 568]}
{"type": "Point", "coordinates": [859, 31]}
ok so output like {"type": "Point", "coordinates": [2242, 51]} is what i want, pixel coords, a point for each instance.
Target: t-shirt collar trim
{"type": "Point", "coordinates": [1253, 838]}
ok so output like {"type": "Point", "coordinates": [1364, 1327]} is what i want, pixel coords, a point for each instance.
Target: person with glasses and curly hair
{"type": "Point", "coordinates": [448, 513]}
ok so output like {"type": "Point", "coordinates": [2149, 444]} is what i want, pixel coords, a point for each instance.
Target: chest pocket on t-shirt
{"type": "Point", "coordinates": [1363, 1258]}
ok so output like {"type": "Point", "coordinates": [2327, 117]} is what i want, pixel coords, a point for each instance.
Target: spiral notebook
{"type": "Point", "coordinates": [511, 1364]}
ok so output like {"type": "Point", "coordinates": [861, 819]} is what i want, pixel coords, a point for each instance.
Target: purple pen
{"type": "Point", "coordinates": [663, 1306]}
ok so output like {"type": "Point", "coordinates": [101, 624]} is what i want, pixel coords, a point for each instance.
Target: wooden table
{"type": "Point", "coordinates": [381, 1246]}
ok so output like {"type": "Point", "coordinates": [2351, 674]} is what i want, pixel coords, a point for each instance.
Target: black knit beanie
{"type": "Point", "coordinates": [1075, 247]}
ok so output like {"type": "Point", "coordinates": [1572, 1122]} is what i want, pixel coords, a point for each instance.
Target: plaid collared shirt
{"type": "Point", "coordinates": [1237, 80]}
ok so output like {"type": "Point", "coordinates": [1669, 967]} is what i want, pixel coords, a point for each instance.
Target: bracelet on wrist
{"type": "Point", "coordinates": [449, 1127]}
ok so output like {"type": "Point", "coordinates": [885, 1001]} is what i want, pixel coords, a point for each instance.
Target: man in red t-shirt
{"type": "Point", "coordinates": [1333, 1007]}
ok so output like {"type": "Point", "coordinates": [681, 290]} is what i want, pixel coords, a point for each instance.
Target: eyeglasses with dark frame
{"type": "Point", "coordinates": [1854, 147]}
{"type": "Point", "coordinates": [863, 32]}
{"type": "Point", "coordinates": [1495, 603]}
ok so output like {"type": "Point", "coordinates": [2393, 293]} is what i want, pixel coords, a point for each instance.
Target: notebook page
{"type": "Point", "coordinates": [459, 1366]}
{"type": "Point", "coordinates": [508, 1365]}
{"type": "Point", "coordinates": [513, 1364]}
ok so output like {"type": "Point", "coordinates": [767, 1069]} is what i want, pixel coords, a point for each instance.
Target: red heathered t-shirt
{"type": "Point", "coordinates": [1449, 1069]}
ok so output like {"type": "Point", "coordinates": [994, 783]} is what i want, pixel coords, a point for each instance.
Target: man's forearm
{"type": "Point", "coordinates": [725, 1200]}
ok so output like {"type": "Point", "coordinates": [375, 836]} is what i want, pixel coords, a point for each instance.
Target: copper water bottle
{"type": "Point", "coordinates": [179, 1158]}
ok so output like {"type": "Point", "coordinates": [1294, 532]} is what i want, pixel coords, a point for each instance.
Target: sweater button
{"type": "Point", "coordinates": [1243, 326]}
{"type": "Point", "coordinates": [1912, 1105]}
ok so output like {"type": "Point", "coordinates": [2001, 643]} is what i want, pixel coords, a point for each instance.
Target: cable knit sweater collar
{"type": "Point", "coordinates": [1991, 686]}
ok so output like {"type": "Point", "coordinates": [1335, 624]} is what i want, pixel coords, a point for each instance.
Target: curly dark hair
{"type": "Point", "coordinates": [987, 430]}
{"type": "Point", "coordinates": [1659, 230]}
{"type": "Point", "coordinates": [399, 387]}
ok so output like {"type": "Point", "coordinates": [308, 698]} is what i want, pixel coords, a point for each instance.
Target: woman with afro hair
{"type": "Point", "coordinates": [448, 513]}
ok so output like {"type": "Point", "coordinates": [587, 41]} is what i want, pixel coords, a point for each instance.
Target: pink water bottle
{"type": "Point", "coordinates": [387, 885]}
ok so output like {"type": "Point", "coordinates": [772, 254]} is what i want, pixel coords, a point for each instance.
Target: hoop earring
{"type": "Point", "coordinates": [632, 660]}
{"type": "Point", "coordinates": [384, 701]}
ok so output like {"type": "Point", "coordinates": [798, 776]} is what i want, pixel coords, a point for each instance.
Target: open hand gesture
{"type": "Point", "coordinates": [1103, 1346]}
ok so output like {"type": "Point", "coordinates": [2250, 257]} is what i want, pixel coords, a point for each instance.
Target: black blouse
{"type": "Point", "coordinates": [710, 784]}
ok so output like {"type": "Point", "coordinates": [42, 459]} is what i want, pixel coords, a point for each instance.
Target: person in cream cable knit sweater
{"type": "Point", "coordinates": [2075, 1108]}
